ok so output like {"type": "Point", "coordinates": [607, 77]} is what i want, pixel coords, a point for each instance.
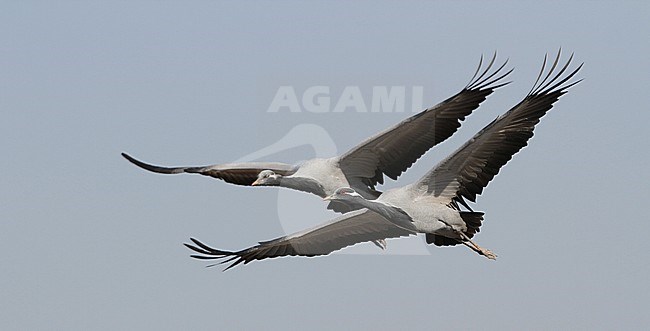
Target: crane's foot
{"type": "Point", "coordinates": [478, 249]}
{"type": "Point", "coordinates": [487, 253]}
{"type": "Point", "coordinates": [465, 240]}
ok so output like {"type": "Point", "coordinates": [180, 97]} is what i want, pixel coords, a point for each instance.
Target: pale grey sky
{"type": "Point", "coordinates": [92, 242]}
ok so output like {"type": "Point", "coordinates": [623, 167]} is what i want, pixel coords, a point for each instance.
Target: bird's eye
{"type": "Point", "coordinates": [345, 191]}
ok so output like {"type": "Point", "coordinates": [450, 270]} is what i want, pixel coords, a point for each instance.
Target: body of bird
{"type": "Point", "coordinates": [328, 174]}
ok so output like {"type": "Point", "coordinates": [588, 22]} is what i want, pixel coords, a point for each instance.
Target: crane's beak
{"type": "Point", "coordinates": [256, 183]}
{"type": "Point", "coordinates": [328, 198]}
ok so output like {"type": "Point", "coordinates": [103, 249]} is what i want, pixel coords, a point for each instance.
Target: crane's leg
{"type": "Point", "coordinates": [465, 240]}
{"type": "Point", "coordinates": [483, 251]}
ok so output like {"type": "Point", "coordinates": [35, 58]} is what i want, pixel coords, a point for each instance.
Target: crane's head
{"type": "Point", "coordinates": [267, 178]}
{"type": "Point", "coordinates": [343, 194]}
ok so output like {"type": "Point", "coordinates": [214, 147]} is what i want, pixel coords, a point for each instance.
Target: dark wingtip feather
{"type": "Point", "coordinates": [210, 253]}
{"type": "Point", "coordinates": [196, 249]}
{"type": "Point", "coordinates": [129, 158]}
{"type": "Point", "coordinates": [563, 89]}
{"type": "Point", "coordinates": [485, 79]}
{"type": "Point", "coordinates": [486, 69]}
{"type": "Point", "coordinates": [202, 245]}
{"type": "Point", "coordinates": [502, 84]}
{"type": "Point", "coordinates": [232, 265]}
{"type": "Point", "coordinates": [480, 63]}
{"type": "Point", "coordinates": [541, 72]}
{"type": "Point", "coordinates": [203, 257]}
{"type": "Point", "coordinates": [151, 167]}
{"type": "Point", "coordinates": [481, 84]}
{"type": "Point", "coordinates": [546, 85]}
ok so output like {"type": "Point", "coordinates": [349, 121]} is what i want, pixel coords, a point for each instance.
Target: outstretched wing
{"type": "Point", "coordinates": [393, 151]}
{"type": "Point", "coordinates": [236, 173]}
{"type": "Point", "coordinates": [467, 171]}
{"type": "Point", "coordinates": [352, 228]}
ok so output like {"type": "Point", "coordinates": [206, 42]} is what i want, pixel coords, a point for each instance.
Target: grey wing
{"type": "Point", "coordinates": [235, 173]}
{"type": "Point", "coordinates": [355, 227]}
{"type": "Point", "coordinates": [469, 169]}
{"type": "Point", "coordinates": [393, 151]}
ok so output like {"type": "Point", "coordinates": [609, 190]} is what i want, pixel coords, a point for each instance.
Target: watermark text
{"type": "Point", "coordinates": [318, 99]}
